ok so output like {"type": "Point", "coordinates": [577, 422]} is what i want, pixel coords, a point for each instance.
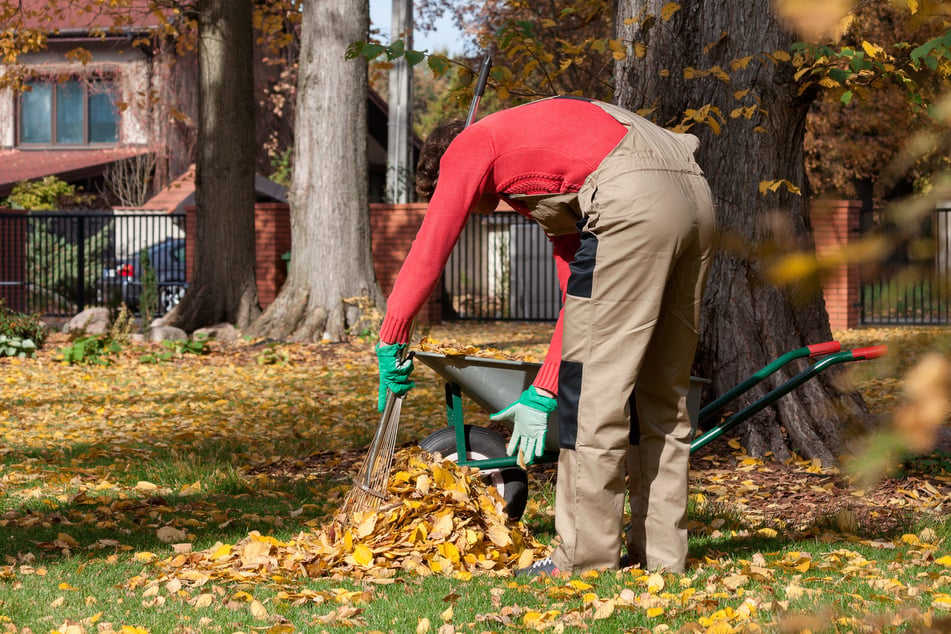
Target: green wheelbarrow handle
{"type": "Point", "coordinates": [815, 350]}
{"type": "Point", "coordinates": [787, 387]}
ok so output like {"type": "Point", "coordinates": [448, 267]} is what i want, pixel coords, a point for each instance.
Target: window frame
{"type": "Point", "coordinates": [86, 83]}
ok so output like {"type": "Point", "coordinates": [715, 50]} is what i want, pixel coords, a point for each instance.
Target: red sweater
{"type": "Point", "coordinates": [544, 147]}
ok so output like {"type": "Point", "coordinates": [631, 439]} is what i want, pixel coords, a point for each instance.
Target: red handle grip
{"type": "Point", "coordinates": [871, 352]}
{"type": "Point", "coordinates": [829, 347]}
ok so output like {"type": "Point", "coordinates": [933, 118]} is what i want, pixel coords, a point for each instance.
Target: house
{"type": "Point", "coordinates": [112, 86]}
{"type": "Point", "coordinates": [86, 112]}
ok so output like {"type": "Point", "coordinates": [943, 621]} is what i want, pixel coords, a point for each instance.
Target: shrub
{"type": "Point", "coordinates": [91, 350]}
{"type": "Point", "coordinates": [22, 326]}
{"type": "Point", "coordinates": [53, 260]}
{"type": "Point", "coordinates": [282, 166]}
{"type": "Point", "coordinates": [39, 194]}
{"type": "Point", "coordinates": [176, 349]}
{"type": "Point", "coordinates": [51, 193]}
{"type": "Point", "coordinates": [16, 347]}
{"type": "Point", "coordinates": [148, 298]}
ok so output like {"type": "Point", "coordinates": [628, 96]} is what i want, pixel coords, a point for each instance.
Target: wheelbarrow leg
{"type": "Point", "coordinates": [479, 447]}
{"type": "Point", "coordinates": [455, 418]}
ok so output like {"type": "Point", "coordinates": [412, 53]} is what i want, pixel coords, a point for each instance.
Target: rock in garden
{"type": "Point", "coordinates": [167, 333]}
{"type": "Point", "coordinates": [92, 321]}
{"type": "Point", "coordinates": [224, 332]}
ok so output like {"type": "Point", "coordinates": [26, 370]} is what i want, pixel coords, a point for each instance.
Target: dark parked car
{"type": "Point", "coordinates": [123, 282]}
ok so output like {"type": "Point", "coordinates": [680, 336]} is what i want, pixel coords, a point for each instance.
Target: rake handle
{"type": "Point", "coordinates": [479, 88]}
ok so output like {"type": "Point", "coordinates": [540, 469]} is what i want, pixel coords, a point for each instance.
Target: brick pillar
{"type": "Point", "coordinates": [13, 259]}
{"type": "Point", "coordinates": [393, 228]}
{"type": "Point", "coordinates": [835, 224]}
{"type": "Point", "coordinates": [272, 230]}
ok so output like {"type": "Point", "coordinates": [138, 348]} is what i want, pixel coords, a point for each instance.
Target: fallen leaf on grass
{"type": "Point", "coordinates": [258, 610]}
{"type": "Point", "coordinates": [202, 600]}
{"type": "Point", "coordinates": [170, 534]}
{"type": "Point", "coordinates": [761, 491]}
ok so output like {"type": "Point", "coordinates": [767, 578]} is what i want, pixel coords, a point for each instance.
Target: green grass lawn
{"type": "Point", "coordinates": [117, 481]}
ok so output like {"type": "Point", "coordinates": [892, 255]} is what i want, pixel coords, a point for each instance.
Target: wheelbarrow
{"type": "Point", "coordinates": [494, 384]}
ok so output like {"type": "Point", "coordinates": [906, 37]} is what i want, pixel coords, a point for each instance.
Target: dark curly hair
{"type": "Point", "coordinates": [427, 169]}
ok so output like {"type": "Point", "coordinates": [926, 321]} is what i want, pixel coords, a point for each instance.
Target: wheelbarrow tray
{"type": "Point", "coordinates": [494, 384]}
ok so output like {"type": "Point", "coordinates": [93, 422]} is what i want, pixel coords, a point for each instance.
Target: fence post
{"type": "Point", "coordinates": [835, 223]}
{"type": "Point", "coordinates": [81, 262]}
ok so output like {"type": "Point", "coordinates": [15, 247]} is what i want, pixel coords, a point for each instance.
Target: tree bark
{"type": "Point", "coordinates": [331, 287]}
{"type": "Point", "coordinates": [748, 321]}
{"type": "Point", "coordinates": [223, 286]}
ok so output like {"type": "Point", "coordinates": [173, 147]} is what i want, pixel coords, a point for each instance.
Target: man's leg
{"type": "Point", "coordinates": [634, 233]}
{"type": "Point", "coordinates": [658, 466]}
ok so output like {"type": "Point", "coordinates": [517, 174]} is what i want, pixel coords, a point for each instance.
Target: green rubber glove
{"type": "Point", "coordinates": [529, 415]}
{"type": "Point", "coordinates": [394, 371]}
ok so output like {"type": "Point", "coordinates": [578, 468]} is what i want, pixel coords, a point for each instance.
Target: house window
{"type": "Point", "coordinates": [71, 112]}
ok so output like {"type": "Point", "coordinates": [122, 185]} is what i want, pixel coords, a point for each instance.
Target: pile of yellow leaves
{"type": "Point", "coordinates": [454, 348]}
{"type": "Point", "coordinates": [440, 519]}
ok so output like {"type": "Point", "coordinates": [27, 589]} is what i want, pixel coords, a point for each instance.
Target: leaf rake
{"type": "Point", "coordinates": [369, 487]}
{"type": "Point", "coordinates": [368, 492]}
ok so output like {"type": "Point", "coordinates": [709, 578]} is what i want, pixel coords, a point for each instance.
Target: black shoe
{"type": "Point", "coordinates": [542, 567]}
{"type": "Point", "coordinates": [624, 562]}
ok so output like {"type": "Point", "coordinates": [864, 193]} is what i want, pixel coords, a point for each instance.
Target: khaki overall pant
{"type": "Point", "coordinates": [631, 324]}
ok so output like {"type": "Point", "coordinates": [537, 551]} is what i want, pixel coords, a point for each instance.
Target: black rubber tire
{"type": "Point", "coordinates": [511, 483]}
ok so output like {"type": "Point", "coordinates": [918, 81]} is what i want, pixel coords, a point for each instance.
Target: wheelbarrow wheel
{"type": "Point", "coordinates": [511, 483]}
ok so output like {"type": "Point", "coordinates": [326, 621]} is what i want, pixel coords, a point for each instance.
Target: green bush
{"type": "Point", "coordinates": [51, 193]}
{"type": "Point", "coordinates": [16, 347]}
{"type": "Point", "coordinates": [282, 166]}
{"type": "Point", "coordinates": [53, 262]}
{"type": "Point", "coordinates": [176, 349]}
{"type": "Point", "coordinates": [148, 298]}
{"type": "Point", "coordinates": [17, 325]}
{"type": "Point", "coordinates": [92, 350]}
{"type": "Point", "coordinates": [43, 194]}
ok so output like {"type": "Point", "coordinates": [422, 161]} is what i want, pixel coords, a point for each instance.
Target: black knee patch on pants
{"type": "Point", "coordinates": [569, 391]}
{"type": "Point", "coordinates": [582, 267]}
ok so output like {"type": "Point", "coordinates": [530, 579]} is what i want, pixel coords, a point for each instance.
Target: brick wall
{"type": "Point", "coordinates": [835, 223]}
{"type": "Point", "coordinates": [272, 238]}
{"type": "Point", "coordinates": [393, 228]}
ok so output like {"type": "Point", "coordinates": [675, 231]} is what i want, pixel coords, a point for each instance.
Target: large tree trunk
{"type": "Point", "coordinates": [223, 287]}
{"type": "Point", "coordinates": [331, 288]}
{"type": "Point", "coordinates": [747, 320]}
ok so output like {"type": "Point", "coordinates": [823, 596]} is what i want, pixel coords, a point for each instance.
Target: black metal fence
{"type": "Point", "coordinates": [910, 285]}
{"type": "Point", "coordinates": [56, 263]}
{"type": "Point", "coordinates": [501, 268]}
